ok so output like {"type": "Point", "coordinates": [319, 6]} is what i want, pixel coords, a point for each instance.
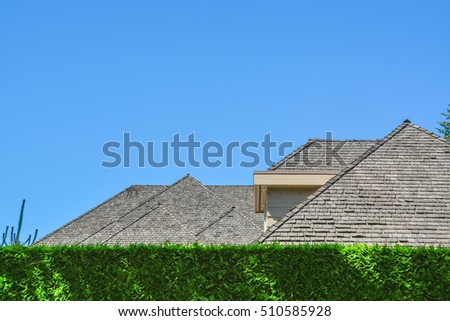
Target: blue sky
{"type": "Point", "coordinates": [76, 74]}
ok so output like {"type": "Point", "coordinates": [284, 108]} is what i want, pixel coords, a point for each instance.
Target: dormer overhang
{"type": "Point", "coordinates": [263, 180]}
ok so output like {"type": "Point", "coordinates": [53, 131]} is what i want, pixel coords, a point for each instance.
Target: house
{"type": "Point", "coordinates": [390, 191]}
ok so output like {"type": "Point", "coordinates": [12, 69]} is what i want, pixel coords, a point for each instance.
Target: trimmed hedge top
{"type": "Point", "coordinates": [254, 272]}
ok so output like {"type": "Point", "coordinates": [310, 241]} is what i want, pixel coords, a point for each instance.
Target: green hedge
{"type": "Point", "coordinates": [325, 272]}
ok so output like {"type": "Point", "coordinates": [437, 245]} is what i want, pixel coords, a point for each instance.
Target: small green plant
{"type": "Point", "coordinates": [14, 237]}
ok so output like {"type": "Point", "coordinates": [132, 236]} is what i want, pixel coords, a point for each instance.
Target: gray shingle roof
{"type": "Point", "coordinates": [184, 212]}
{"type": "Point", "coordinates": [398, 191]}
{"type": "Point", "coordinates": [241, 197]}
{"type": "Point", "coordinates": [323, 155]}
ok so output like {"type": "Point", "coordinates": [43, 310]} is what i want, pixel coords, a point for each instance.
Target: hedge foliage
{"type": "Point", "coordinates": [256, 272]}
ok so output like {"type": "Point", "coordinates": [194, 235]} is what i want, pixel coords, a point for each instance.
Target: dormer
{"type": "Point", "coordinates": [297, 176]}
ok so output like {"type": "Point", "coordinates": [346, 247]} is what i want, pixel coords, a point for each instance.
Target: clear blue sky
{"type": "Point", "coordinates": [76, 74]}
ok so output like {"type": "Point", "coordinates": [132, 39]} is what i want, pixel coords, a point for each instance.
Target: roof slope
{"type": "Point", "coordinates": [398, 191]}
{"type": "Point", "coordinates": [82, 227]}
{"type": "Point", "coordinates": [184, 212]}
{"type": "Point", "coordinates": [241, 197]}
{"type": "Point", "coordinates": [323, 155]}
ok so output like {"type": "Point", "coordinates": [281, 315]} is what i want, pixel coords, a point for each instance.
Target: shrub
{"type": "Point", "coordinates": [253, 272]}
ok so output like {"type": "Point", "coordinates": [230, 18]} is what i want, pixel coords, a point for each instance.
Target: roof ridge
{"type": "Point", "coordinates": [178, 221]}
{"type": "Point", "coordinates": [182, 178]}
{"type": "Point", "coordinates": [158, 205]}
{"type": "Point", "coordinates": [228, 204]}
{"type": "Point", "coordinates": [117, 233]}
{"type": "Point", "coordinates": [128, 212]}
{"type": "Point", "coordinates": [138, 206]}
{"type": "Point", "coordinates": [166, 187]}
{"type": "Point", "coordinates": [312, 141]}
{"type": "Point", "coordinates": [289, 156]}
{"type": "Point", "coordinates": [428, 132]}
{"type": "Point", "coordinates": [221, 201]}
{"type": "Point", "coordinates": [332, 181]}
{"type": "Point", "coordinates": [217, 220]}
{"type": "Point", "coordinates": [247, 219]}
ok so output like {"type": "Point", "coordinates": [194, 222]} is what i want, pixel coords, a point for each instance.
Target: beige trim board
{"type": "Point", "coordinates": [290, 179]}
{"type": "Point", "coordinates": [259, 197]}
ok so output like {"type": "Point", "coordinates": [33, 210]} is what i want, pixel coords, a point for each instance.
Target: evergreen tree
{"type": "Point", "coordinates": [445, 125]}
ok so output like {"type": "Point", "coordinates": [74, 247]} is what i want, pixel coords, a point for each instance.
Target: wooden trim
{"type": "Point", "coordinates": [291, 180]}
